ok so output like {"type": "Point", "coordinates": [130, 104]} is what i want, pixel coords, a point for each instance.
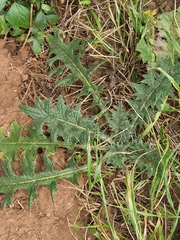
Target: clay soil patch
{"type": "Point", "coordinates": [46, 220]}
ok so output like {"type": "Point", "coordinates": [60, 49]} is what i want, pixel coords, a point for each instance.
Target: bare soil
{"type": "Point", "coordinates": [46, 220]}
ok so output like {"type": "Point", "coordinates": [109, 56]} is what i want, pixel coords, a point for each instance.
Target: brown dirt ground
{"type": "Point", "coordinates": [46, 220]}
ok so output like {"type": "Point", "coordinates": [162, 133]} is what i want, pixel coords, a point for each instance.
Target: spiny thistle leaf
{"type": "Point", "coordinates": [10, 145]}
{"type": "Point", "coordinates": [167, 37]}
{"type": "Point", "coordinates": [62, 121]}
{"type": "Point", "coordinates": [124, 147]}
{"type": "Point", "coordinates": [72, 164]}
{"type": "Point", "coordinates": [147, 158]}
{"type": "Point", "coordinates": [70, 55]}
{"type": "Point", "coordinates": [117, 155]}
{"type": "Point", "coordinates": [9, 184]}
{"type": "Point", "coordinates": [153, 89]}
{"type": "Point", "coordinates": [121, 125]}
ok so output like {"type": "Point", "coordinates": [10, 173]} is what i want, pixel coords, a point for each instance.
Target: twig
{"type": "Point", "coordinates": [30, 27]}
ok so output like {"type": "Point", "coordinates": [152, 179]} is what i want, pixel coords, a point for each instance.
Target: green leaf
{"type": "Point", "coordinates": [72, 164]}
{"type": "Point", "coordinates": [62, 121]}
{"type": "Point", "coordinates": [70, 55]}
{"type": "Point", "coordinates": [117, 155]}
{"type": "Point", "coordinates": [38, 3]}
{"type": "Point", "coordinates": [47, 8]}
{"type": "Point", "coordinates": [120, 125]}
{"type": "Point", "coordinates": [38, 41]}
{"type": "Point", "coordinates": [52, 18]}
{"type": "Point", "coordinates": [2, 4]}
{"type": "Point", "coordinates": [18, 15]}
{"type": "Point", "coordinates": [148, 159]}
{"type": "Point", "coordinates": [21, 38]}
{"type": "Point", "coordinates": [32, 194]}
{"type": "Point", "coordinates": [168, 35]}
{"type": "Point", "coordinates": [4, 28]}
{"type": "Point", "coordinates": [34, 30]}
{"type": "Point", "coordinates": [16, 31]}
{"type": "Point", "coordinates": [153, 89]}
{"type": "Point", "coordinates": [10, 145]}
{"type": "Point", "coordinates": [36, 46]}
{"type": "Point", "coordinates": [32, 1]}
{"type": "Point", "coordinates": [166, 21]}
{"type": "Point", "coordinates": [8, 185]}
{"type": "Point", "coordinates": [16, 147]}
{"type": "Point", "coordinates": [66, 81]}
{"type": "Point", "coordinates": [146, 51]}
{"type": "Point", "coordinates": [40, 20]}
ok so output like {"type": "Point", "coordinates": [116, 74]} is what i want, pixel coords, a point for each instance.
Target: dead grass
{"type": "Point", "coordinates": [113, 42]}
